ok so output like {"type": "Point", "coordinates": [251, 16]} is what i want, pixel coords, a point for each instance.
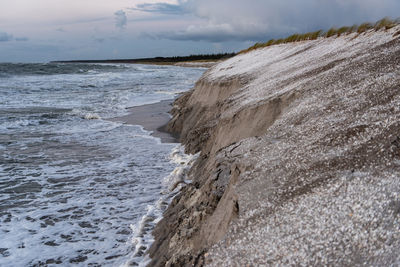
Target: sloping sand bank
{"type": "Point", "coordinates": [153, 118]}
{"type": "Point", "coordinates": [300, 158]}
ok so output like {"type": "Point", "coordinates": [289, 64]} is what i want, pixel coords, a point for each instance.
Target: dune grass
{"type": "Point", "coordinates": [364, 27]}
{"type": "Point", "coordinates": [383, 24]}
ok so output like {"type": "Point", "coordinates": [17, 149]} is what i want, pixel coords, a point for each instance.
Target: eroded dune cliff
{"type": "Point", "coordinates": [299, 158]}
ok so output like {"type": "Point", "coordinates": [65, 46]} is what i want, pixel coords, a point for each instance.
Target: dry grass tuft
{"type": "Point", "coordinates": [343, 30]}
{"type": "Point", "coordinates": [331, 32]}
{"type": "Point", "coordinates": [292, 38]}
{"type": "Point", "coordinates": [385, 23]}
{"type": "Point", "coordinates": [270, 42]}
{"type": "Point", "coordinates": [364, 27]}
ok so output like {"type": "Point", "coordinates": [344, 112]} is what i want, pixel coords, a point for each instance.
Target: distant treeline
{"type": "Point", "coordinates": [205, 57]}
{"type": "Point", "coordinates": [195, 57]}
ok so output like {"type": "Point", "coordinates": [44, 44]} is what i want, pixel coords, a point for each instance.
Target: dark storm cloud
{"type": "Point", "coordinates": [226, 20]}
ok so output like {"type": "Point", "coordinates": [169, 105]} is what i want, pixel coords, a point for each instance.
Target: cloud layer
{"type": "Point", "coordinates": [71, 29]}
{"type": "Point", "coordinates": [5, 37]}
{"type": "Point", "coordinates": [226, 20]}
{"type": "Point", "coordinates": [164, 8]}
{"type": "Point", "coordinates": [120, 19]}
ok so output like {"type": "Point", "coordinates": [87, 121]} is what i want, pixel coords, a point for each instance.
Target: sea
{"type": "Point", "coordinates": [75, 187]}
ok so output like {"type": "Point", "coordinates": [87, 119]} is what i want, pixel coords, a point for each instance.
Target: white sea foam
{"type": "Point", "coordinates": [92, 116]}
{"type": "Point", "coordinates": [73, 182]}
{"type": "Point", "coordinates": [142, 237]}
{"type": "Point", "coordinates": [184, 162]}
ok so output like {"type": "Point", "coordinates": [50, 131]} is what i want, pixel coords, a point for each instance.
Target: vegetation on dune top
{"type": "Point", "coordinates": [385, 24]}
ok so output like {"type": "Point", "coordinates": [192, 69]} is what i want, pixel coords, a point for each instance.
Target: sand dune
{"type": "Point", "coordinates": [300, 158]}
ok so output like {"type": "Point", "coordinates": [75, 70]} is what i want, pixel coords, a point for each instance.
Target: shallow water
{"type": "Point", "coordinates": [76, 188]}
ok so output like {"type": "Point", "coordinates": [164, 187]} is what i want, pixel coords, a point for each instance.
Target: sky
{"type": "Point", "coordinates": [46, 30]}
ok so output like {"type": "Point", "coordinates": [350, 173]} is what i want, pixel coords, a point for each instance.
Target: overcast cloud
{"type": "Point", "coordinates": [226, 20]}
{"type": "Point", "coordinates": [41, 30]}
{"type": "Point", "coordinates": [163, 8]}
{"type": "Point", "coordinates": [22, 39]}
{"type": "Point", "coordinates": [120, 19]}
{"type": "Point", "coordinates": [5, 37]}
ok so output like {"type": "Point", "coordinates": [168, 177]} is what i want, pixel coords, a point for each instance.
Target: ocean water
{"type": "Point", "coordinates": [76, 188]}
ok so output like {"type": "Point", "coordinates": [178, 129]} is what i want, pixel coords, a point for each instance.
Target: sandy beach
{"type": "Point", "coordinates": [153, 117]}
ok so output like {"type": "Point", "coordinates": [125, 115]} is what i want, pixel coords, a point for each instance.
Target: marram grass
{"type": "Point", "coordinates": [385, 24]}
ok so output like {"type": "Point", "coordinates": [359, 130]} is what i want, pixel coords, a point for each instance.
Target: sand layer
{"type": "Point", "coordinates": [153, 118]}
{"type": "Point", "coordinates": [299, 158]}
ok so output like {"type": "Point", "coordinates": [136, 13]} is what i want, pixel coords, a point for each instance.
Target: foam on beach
{"type": "Point", "coordinates": [73, 181]}
{"type": "Point", "coordinates": [171, 184]}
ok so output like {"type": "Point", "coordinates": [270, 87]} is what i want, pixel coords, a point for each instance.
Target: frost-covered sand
{"type": "Point", "coordinates": [299, 162]}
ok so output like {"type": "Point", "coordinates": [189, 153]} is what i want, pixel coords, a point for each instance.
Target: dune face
{"type": "Point", "coordinates": [299, 158]}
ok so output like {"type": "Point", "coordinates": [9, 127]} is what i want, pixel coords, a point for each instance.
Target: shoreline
{"type": "Point", "coordinates": [152, 117]}
{"type": "Point", "coordinates": [190, 61]}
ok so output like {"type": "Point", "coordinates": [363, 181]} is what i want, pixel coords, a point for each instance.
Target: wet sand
{"type": "Point", "coordinates": [153, 117]}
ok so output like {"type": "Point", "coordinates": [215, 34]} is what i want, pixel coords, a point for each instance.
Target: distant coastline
{"type": "Point", "coordinates": [179, 60]}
